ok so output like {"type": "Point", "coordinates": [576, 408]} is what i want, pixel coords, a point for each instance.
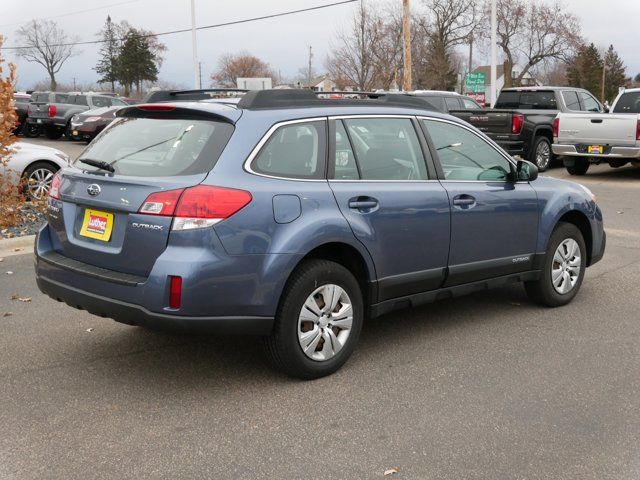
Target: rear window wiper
{"type": "Point", "coordinates": [98, 164]}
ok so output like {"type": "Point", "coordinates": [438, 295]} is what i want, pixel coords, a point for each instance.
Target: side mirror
{"type": "Point", "coordinates": [526, 171]}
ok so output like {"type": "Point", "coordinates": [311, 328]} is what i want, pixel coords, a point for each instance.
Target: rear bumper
{"type": "Point", "coordinates": [132, 314]}
{"type": "Point", "coordinates": [41, 122]}
{"type": "Point", "coordinates": [614, 153]}
{"type": "Point", "coordinates": [512, 147]}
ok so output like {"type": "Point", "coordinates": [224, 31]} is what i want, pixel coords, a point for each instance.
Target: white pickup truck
{"type": "Point", "coordinates": [613, 138]}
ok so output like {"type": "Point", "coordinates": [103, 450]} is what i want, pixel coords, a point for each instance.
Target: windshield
{"type": "Point", "coordinates": [628, 103]}
{"type": "Point", "coordinates": [146, 147]}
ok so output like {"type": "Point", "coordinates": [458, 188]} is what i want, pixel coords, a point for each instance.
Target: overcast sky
{"type": "Point", "coordinates": [282, 42]}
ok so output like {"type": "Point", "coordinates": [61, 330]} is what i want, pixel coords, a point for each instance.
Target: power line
{"type": "Point", "coordinates": [72, 13]}
{"type": "Point", "coordinates": [206, 27]}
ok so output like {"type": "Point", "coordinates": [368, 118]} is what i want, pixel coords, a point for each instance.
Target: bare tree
{"type": "Point", "coordinates": [533, 33]}
{"type": "Point", "coordinates": [449, 23]}
{"type": "Point", "coordinates": [351, 59]}
{"type": "Point", "coordinates": [243, 64]}
{"type": "Point", "coordinates": [45, 43]}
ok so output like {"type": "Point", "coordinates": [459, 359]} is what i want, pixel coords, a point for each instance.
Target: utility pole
{"type": "Point", "coordinates": [494, 51]}
{"type": "Point", "coordinates": [74, 84]}
{"type": "Point", "coordinates": [310, 70]}
{"type": "Point", "coordinates": [196, 74]}
{"type": "Point", "coordinates": [407, 80]}
{"type": "Point", "coordinates": [470, 66]}
{"type": "Point", "coordinates": [604, 76]}
{"type": "Point", "coordinates": [200, 73]}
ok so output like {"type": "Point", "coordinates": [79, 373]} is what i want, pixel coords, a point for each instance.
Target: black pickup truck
{"type": "Point", "coordinates": [522, 120]}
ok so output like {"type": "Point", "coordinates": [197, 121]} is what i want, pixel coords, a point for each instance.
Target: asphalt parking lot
{"type": "Point", "coordinates": [482, 387]}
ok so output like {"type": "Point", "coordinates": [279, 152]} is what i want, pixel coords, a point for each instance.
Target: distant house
{"type": "Point", "coordinates": [322, 84]}
{"type": "Point", "coordinates": [527, 81]}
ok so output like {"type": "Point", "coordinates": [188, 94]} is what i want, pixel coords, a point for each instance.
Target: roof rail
{"type": "Point", "coordinates": [187, 95]}
{"type": "Point", "coordinates": [292, 98]}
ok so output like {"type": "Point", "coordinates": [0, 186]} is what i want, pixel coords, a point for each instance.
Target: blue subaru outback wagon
{"type": "Point", "coordinates": [295, 218]}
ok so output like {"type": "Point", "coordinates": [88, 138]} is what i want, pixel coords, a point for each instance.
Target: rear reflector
{"type": "Point", "coordinates": [54, 189]}
{"type": "Point", "coordinates": [556, 127]}
{"type": "Point", "coordinates": [175, 292]}
{"type": "Point", "coordinates": [156, 107]}
{"type": "Point", "coordinates": [196, 207]}
{"type": "Point", "coordinates": [517, 121]}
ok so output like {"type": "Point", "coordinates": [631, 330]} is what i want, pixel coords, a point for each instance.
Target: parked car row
{"type": "Point", "coordinates": [296, 218]}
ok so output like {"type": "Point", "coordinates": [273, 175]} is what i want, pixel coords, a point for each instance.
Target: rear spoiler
{"type": "Point", "coordinates": [166, 110]}
{"type": "Point", "coordinates": [191, 95]}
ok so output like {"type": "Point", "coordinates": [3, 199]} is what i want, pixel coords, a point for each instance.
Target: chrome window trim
{"type": "Point", "coordinates": [368, 115]}
{"type": "Point", "coordinates": [265, 138]}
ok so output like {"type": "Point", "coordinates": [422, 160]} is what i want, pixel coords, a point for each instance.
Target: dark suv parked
{"type": "Point", "coordinates": [296, 218]}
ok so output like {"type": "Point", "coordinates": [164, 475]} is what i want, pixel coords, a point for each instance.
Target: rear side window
{"type": "Point", "coordinates": [571, 100]}
{"type": "Point", "coordinates": [452, 103]}
{"type": "Point", "coordinates": [470, 104]}
{"type": "Point", "coordinates": [147, 147]}
{"type": "Point", "coordinates": [628, 103]}
{"type": "Point", "coordinates": [437, 103]}
{"type": "Point", "coordinates": [60, 98]}
{"type": "Point", "coordinates": [386, 149]}
{"type": "Point", "coordinates": [296, 150]}
{"type": "Point", "coordinates": [81, 100]}
{"type": "Point", "coordinates": [589, 103]}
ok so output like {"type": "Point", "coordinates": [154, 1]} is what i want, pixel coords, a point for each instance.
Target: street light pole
{"type": "Point", "coordinates": [196, 69]}
{"type": "Point", "coordinates": [494, 51]}
{"type": "Point", "coordinates": [406, 32]}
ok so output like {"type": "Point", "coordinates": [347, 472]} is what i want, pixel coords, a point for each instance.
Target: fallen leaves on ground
{"type": "Point", "coordinates": [18, 249]}
{"type": "Point", "coordinates": [391, 471]}
{"type": "Point", "coordinates": [89, 330]}
{"type": "Point", "coordinates": [7, 314]}
{"type": "Point", "coordinates": [15, 296]}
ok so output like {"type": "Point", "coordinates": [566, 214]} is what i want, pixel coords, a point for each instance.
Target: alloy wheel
{"type": "Point", "coordinates": [543, 155]}
{"type": "Point", "coordinates": [39, 183]}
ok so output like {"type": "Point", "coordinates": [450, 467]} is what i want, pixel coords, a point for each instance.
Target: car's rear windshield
{"type": "Point", "coordinates": [628, 103]}
{"type": "Point", "coordinates": [534, 100]}
{"type": "Point", "coordinates": [146, 147]}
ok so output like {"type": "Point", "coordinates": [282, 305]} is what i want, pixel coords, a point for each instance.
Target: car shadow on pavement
{"type": "Point", "coordinates": [151, 359]}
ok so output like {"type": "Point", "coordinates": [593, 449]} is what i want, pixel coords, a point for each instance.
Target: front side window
{"type": "Point", "coordinates": [628, 103]}
{"type": "Point", "coordinates": [464, 155]}
{"type": "Point", "coordinates": [81, 100]}
{"type": "Point", "coordinates": [151, 147]}
{"type": "Point", "coordinates": [294, 151]}
{"type": "Point", "coordinates": [101, 102]}
{"type": "Point", "coordinates": [469, 104]}
{"type": "Point", "coordinates": [589, 103]}
{"type": "Point", "coordinates": [571, 100]}
{"type": "Point", "coordinates": [386, 149]}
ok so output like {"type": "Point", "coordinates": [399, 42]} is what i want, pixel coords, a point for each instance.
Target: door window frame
{"type": "Point", "coordinates": [267, 136]}
{"type": "Point", "coordinates": [424, 148]}
{"type": "Point", "coordinates": [488, 141]}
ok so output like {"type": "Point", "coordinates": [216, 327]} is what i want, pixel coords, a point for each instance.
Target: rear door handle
{"type": "Point", "coordinates": [464, 201]}
{"type": "Point", "coordinates": [363, 203]}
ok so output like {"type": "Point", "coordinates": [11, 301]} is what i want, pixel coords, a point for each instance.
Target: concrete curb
{"type": "Point", "coordinates": [8, 245]}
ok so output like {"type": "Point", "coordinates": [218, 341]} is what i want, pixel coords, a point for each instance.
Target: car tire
{"type": "Point", "coordinates": [31, 130]}
{"type": "Point", "coordinates": [331, 345]}
{"type": "Point", "coordinates": [37, 178]}
{"type": "Point", "coordinates": [67, 131]}
{"type": "Point", "coordinates": [560, 279]}
{"type": "Point", "coordinates": [54, 133]}
{"type": "Point", "coordinates": [541, 154]}
{"type": "Point", "coordinates": [579, 167]}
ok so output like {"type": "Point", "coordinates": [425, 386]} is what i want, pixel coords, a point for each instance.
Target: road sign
{"type": "Point", "coordinates": [476, 82]}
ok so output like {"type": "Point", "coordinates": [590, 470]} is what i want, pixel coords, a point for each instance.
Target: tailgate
{"type": "Point", "coordinates": [104, 229]}
{"type": "Point", "coordinates": [39, 110]}
{"type": "Point", "coordinates": [597, 129]}
{"type": "Point", "coordinates": [487, 121]}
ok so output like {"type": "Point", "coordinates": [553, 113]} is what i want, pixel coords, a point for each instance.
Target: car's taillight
{"type": "Point", "coordinates": [517, 121]}
{"type": "Point", "coordinates": [161, 203]}
{"type": "Point", "coordinates": [196, 207]}
{"type": "Point", "coordinates": [52, 111]}
{"type": "Point", "coordinates": [638, 130]}
{"type": "Point", "coordinates": [556, 127]}
{"type": "Point", "coordinates": [175, 292]}
{"type": "Point", "coordinates": [54, 189]}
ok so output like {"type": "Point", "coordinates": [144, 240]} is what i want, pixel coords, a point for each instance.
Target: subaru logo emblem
{"type": "Point", "coordinates": [93, 189]}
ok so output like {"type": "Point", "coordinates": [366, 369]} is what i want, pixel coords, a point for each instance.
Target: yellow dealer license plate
{"type": "Point", "coordinates": [97, 224]}
{"type": "Point", "coordinates": [595, 149]}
